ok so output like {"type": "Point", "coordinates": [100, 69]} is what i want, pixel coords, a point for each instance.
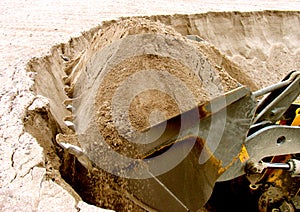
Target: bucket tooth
{"type": "Point", "coordinates": [78, 153]}
{"type": "Point", "coordinates": [65, 58]}
{"type": "Point", "coordinates": [70, 107]}
{"type": "Point", "coordinates": [70, 125]}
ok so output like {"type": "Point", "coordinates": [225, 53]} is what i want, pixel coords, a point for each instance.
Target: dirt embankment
{"type": "Point", "coordinates": [265, 45]}
{"type": "Point", "coordinates": [260, 48]}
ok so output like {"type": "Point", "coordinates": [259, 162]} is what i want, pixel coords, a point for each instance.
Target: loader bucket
{"type": "Point", "coordinates": [172, 164]}
{"type": "Point", "coordinates": [199, 149]}
{"type": "Point", "coordinates": [188, 186]}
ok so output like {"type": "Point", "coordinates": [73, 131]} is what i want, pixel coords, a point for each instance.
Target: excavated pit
{"type": "Point", "coordinates": [260, 48]}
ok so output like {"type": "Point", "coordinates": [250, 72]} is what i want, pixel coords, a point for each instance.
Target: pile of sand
{"type": "Point", "coordinates": [155, 71]}
{"type": "Point", "coordinates": [164, 64]}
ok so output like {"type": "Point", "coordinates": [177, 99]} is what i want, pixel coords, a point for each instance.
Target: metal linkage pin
{"type": "Point", "coordinates": [293, 166]}
{"type": "Point", "coordinates": [284, 166]}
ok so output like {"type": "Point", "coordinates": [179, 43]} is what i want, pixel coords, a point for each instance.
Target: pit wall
{"type": "Point", "coordinates": [264, 45]}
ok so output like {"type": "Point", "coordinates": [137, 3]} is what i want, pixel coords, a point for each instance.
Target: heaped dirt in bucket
{"type": "Point", "coordinates": [71, 67]}
{"type": "Point", "coordinates": [166, 66]}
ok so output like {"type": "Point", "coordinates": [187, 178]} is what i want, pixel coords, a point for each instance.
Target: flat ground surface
{"type": "Point", "coordinates": [29, 28]}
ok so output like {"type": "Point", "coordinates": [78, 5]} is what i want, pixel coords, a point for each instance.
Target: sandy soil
{"type": "Point", "coordinates": [30, 28]}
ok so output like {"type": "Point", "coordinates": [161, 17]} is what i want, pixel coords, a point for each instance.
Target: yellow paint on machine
{"type": "Point", "coordinates": [296, 121]}
{"type": "Point", "coordinates": [243, 156]}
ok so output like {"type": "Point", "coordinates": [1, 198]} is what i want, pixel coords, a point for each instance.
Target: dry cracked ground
{"type": "Point", "coordinates": [30, 28]}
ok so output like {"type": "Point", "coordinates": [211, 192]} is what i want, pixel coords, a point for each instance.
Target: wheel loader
{"type": "Point", "coordinates": [239, 151]}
